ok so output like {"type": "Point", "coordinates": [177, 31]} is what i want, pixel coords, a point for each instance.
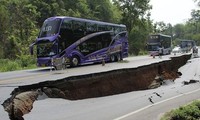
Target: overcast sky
{"type": "Point", "coordinates": [172, 11]}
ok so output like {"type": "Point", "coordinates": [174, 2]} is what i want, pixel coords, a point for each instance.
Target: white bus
{"type": "Point", "coordinates": [156, 42]}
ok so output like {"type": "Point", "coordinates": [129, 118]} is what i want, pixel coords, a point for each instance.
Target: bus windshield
{"type": "Point", "coordinates": [185, 44]}
{"type": "Point", "coordinates": [46, 49]}
{"type": "Point", "coordinates": [153, 47]}
{"type": "Point", "coordinates": [50, 28]}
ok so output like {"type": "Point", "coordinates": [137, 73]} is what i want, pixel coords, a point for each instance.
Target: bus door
{"type": "Point", "coordinates": [95, 48]}
{"type": "Point", "coordinates": [118, 48]}
{"type": "Point", "coordinates": [124, 41]}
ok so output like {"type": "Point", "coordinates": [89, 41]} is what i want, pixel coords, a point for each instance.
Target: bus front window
{"type": "Point", "coordinates": [50, 28]}
{"type": "Point", "coordinates": [46, 49]}
{"type": "Point", "coordinates": [153, 47]}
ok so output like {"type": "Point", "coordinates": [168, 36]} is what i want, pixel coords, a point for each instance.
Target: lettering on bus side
{"type": "Point", "coordinates": [100, 56]}
{"type": "Point", "coordinates": [47, 28]}
{"type": "Point", "coordinates": [96, 57]}
{"type": "Point", "coordinates": [92, 57]}
{"type": "Point", "coordinates": [116, 49]}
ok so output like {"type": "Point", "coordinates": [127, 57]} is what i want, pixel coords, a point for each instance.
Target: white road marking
{"type": "Point", "coordinates": [148, 106]}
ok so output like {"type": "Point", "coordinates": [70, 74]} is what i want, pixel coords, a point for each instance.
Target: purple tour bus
{"type": "Point", "coordinates": [80, 41]}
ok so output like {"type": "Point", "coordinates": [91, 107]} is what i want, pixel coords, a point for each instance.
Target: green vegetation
{"type": "Point", "coordinates": [21, 20]}
{"type": "Point", "coordinates": [23, 62]}
{"type": "Point", "coordinates": [188, 112]}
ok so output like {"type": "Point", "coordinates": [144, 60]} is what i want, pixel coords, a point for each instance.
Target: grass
{"type": "Point", "coordinates": [187, 112]}
{"type": "Point", "coordinates": [123, 61]}
{"type": "Point", "coordinates": [24, 62]}
{"type": "Point", "coordinates": [143, 52]}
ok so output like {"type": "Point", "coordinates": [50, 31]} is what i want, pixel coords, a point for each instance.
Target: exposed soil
{"type": "Point", "coordinates": [95, 85]}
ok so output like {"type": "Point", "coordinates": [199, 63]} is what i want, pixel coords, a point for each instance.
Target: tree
{"type": "Point", "coordinates": [4, 25]}
{"type": "Point", "coordinates": [139, 35]}
{"type": "Point", "coordinates": [195, 20]}
{"type": "Point", "coordinates": [23, 23]}
{"type": "Point", "coordinates": [133, 11]}
{"type": "Point", "coordinates": [48, 8]}
{"type": "Point", "coordinates": [18, 21]}
{"type": "Point", "coordinates": [104, 10]}
{"type": "Point", "coordinates": [78, 8]}
{"type": "Point", "coordinates": [198, 2]}
{"type": "Point", "coordinates": [179, 31]}
{"type": "Point", "coordinates": [159, 27]}
{"type": "Point", "coordinates": [136, 16]}
{"type": "Point", "coordinates": [21, 20]}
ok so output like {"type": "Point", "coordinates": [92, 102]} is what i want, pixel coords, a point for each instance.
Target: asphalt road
{"type": "Point", "coordinates": [139, 105]}
{"type": "Point", "coordinates": [156, 110]}
{"type": "Point", "coordinates": [128, 106]}
{"type": "Point", "coordinates": [43, 74]}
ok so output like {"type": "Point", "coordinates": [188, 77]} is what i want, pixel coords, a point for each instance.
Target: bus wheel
{"type": "Point", "coordinates": [119, 58]}
{"type": "Point", "coordinates": [112, 58]}
{"type": "Point", "coordinates": [169, 52]}
{"type": "Point", "coordinates": [74, 61]}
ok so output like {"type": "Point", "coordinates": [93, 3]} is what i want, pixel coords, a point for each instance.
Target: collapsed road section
{"type": "Point", "coordinates": [94, 85]}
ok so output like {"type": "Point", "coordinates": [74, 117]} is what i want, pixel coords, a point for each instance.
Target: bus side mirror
{"type": "Point", "coordinates": [31, 48]}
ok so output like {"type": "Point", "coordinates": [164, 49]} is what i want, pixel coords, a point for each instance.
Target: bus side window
{"type": "Point", "coordinates": [67, 24]}
{"type": "Point", "coordinates": [78, 26]}
{"type": "Point", "coordinates": [102, 28]}
{"type": "Point", "coordinates": [91, 28]}
{"type": "Point", "coordinates": [65, 27]}
{"type": "Point", "coordinates": [109, 28]}
{"type": "Point", "coordinates": [79, 29]}
{"type": "Point", "coordinates": [124, 34]}
{"type": "Point", "coordinates": [117, 37]}
{"type": "Point", "coordinates": [117, 30]}
{"type": "Point", "coordinates": [99, 45]}
{"type": "Point", "coordinates": [122, 29]}
{"type": "Point", "coordinates": [66, 37]}
{"type": "Point", "coordinates": [106, 40]}
{"type": "Point", "coordinates": [84, 48]}
{"type": "Point", "coordinates": [65, 34]}
{"type": "Point", "coordinates": [92, 47]}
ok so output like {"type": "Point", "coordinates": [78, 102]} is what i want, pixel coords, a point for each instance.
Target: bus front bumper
{"type": "Point", "coordinates": [153, 53]}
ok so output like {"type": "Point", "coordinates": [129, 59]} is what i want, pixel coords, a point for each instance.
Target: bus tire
{"type": "Point", "coordinates": [169, 52]}
{"type": "Point", "coordinates": [74, 61]}
{"type": "Point", "coordinates": [119, 58]}
{"type": "Point", "coordinates": [112, 58]}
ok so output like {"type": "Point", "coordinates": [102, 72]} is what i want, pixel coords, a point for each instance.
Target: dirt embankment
{"type": "Point", "coordinates": [98, 84]}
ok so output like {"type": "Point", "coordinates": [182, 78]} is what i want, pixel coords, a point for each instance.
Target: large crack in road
{"type": "Point", "coordinates": [94, 85]}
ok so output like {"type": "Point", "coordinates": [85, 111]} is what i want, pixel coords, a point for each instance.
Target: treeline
{"type": "Point", "coordinates": [190, 30]}
{"type": "Point", "coordinates": [20, 21]}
